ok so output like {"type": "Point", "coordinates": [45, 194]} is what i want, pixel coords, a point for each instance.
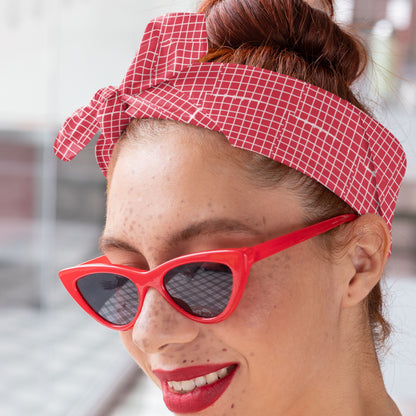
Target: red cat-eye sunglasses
{"type": "Point", "coordinates": [205, 286]}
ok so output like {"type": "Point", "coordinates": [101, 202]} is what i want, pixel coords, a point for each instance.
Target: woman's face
{"type": "Point", "coordinates": [175, 191]}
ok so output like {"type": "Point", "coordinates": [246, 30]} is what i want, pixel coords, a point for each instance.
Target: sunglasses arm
{"type": "Point", "coordinates": [268, 248]}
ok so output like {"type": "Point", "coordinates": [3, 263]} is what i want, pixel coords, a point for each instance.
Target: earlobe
{"type": "Point", "coordinates": [367, 253]}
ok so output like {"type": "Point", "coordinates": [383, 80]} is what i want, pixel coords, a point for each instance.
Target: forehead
{"type": "Point", "coordinates": [171, 162]}
{"type": "Point", "coordinates": [167, 178]}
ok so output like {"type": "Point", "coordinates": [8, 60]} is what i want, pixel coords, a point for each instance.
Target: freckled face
{"type": "Point", "coordinates": [284, 330]}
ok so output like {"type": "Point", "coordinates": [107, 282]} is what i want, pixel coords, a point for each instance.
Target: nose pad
{"type": "Point", "coordinates": [160, 325]}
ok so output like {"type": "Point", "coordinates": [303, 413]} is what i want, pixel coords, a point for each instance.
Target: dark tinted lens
{"type": "Point", "coordinates": [202, 289]}
{"type": "Point", "coordinates": [113, 297]}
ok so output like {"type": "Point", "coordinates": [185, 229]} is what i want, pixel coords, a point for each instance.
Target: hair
{"type": "Point", "coordinates": [299, 39]}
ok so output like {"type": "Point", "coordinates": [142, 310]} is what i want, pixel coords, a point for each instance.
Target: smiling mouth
{"type": "Point", "coordinates": [186, 386]}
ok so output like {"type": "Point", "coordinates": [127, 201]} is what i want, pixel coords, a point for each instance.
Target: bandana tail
{"type": "Point", "coordinates": [76, 133]}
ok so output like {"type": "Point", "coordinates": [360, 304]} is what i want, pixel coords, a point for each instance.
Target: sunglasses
{"type": "Point", "coordinates": [205, 286]}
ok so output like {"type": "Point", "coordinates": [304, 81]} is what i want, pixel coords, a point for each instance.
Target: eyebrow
{"type": "Point", "coordinates": [206, 227]}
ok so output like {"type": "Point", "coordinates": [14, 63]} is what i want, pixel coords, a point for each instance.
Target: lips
{"type": "Point", "coordinates": [192, 389]}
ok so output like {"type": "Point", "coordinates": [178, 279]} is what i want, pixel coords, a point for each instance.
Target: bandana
{"type": "Point", "coordinates": [288, 120]}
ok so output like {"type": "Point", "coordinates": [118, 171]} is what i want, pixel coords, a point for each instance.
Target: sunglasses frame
{"type": "Point", "coordinates": [239, 260]}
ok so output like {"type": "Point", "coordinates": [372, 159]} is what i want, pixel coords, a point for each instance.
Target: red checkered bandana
{"type": "Point", "coordinates": [285, 119]}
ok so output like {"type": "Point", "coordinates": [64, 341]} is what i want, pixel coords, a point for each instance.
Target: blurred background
{"type": "Point", "coordinates": [55, 54]}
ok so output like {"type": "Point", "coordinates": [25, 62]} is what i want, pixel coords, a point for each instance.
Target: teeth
{"type": "Point", "coordinates": [200, 381]}
{"type": "Point", "coordinates": [188, 385]}
{"type": "Point", "coordinates": [176, 385]}
{"type": "Point", "coordinates": [211, 378]}
{"type": "Point", "coordinates": [223, 372]}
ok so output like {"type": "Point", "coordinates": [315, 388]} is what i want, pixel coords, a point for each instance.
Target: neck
{"type": "Point", "coordinates": [351, 384]}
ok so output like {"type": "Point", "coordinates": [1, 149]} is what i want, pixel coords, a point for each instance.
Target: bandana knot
{"type": "Point", "coordinates": [164, 52]}
{"type": "Point", "coordinates": [84, 123]}
{"type": "Point", "coordinates": [103, 95]}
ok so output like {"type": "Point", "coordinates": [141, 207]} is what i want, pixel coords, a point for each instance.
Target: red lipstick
{"type": "Point", "coordinates": [200, 397]}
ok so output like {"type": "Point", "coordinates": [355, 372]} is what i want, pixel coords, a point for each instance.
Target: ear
{"type": "Point", "coordinates": [367, 253]}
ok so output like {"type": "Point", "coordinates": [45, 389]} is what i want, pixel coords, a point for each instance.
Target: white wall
{"type": "Point", "coordinates": [56, 53]}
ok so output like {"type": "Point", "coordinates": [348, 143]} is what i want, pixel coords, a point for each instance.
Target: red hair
{"type": "Point", "coordinates": [286, 36]}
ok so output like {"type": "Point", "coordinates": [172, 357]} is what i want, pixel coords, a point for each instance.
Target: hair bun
{"type": "Point", "coordinates": [294, 37]}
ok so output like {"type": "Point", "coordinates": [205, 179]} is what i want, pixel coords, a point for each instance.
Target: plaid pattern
{"type": "Point", "coordinates": [121, 307]}
{"type": "Point", "coordinates": [202, 292]}
{"type": "Point", "coordinates": [288, 120]}
{"type": "Point", "coordinates": [113, 297]}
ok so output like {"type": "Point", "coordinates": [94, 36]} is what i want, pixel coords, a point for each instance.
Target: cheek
{"type": "Point", "coordinates": [286, 300]}
{"type": "Point", "coordinates": [137, 354]}
{"type": "Point", "coordinates": [266, 293]}
{"type": "Point", "coordinates": [127, 339]}
{"type": "Point", "coordinates": [271, 293]}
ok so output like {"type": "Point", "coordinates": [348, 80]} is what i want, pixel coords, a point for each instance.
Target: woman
{"type": "Point", "coordinates": [250, 199]}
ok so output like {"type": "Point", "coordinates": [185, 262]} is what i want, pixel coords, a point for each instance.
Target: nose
{"type": "Point", "coordinates": [160, 325]}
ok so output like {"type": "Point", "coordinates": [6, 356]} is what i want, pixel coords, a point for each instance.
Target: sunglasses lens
{"type": "Point", "coordinates": [113, 297]}
{"type": "Point", "coordinates": [202, 289]}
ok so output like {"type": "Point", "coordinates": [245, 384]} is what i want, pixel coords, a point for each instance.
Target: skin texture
{"type": "Point", "coordinates": [299, 335]}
